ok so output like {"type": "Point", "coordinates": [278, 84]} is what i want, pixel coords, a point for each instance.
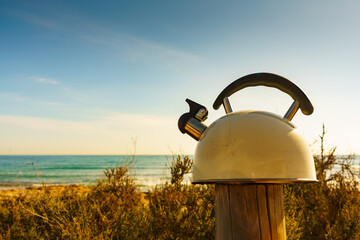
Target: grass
{"type": "Point", "coordinates": [115, 208]}
{"type": "Point", "coordinates": [329, 209]}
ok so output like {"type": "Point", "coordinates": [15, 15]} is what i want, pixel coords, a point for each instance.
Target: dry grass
{"type": "Point", "coordinates": [52, 190]}
{"type": "Point", "coordinates": [116, 209]}
{"type": "Point", "coordinates": [112, 209]}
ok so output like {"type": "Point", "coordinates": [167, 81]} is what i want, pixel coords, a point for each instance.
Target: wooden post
{"type": "Point", "coordinates": [249, 211]}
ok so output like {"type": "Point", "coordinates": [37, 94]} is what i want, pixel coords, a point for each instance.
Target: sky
{"type": "Point", "coordinates": [111, 77]}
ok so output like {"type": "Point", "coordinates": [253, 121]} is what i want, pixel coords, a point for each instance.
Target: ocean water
{"type": "Point", "coordinates": [147, 170]}
{"type": "Point", "coordinates": [25, 171]}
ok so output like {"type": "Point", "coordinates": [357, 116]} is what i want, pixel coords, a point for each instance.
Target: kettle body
{"type": "Point", "coordinates": [250, 146]}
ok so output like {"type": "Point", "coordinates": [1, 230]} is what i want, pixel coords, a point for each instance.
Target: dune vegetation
{"type": "Point", "coordinates": [115, 208]}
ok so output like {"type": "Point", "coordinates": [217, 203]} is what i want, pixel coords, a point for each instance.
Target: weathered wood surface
{"type": "Point", "coordinates": [253, 211]}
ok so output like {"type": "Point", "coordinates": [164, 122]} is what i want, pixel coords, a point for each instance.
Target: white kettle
{"type": "Point", "coordinates": [250, 146]}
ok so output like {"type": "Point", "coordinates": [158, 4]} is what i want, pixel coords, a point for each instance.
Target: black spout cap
{"type": "Point", "coordinates": [182, 121]}
{"type": "Point", "coordinates": [194, 109]}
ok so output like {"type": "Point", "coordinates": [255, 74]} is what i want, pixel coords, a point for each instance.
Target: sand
{"type": "Point", "coordinates": [53, 190]}
{"type": "Point", "coordinates": [32, 191]}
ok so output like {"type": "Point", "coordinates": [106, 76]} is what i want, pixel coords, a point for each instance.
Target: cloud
{"type": "Point", "coordinates": [104, 135]}
{"type": "Point", "coordinates": [15, 98]}
{"type": "Point", "coordinates": [77, 95]}
{"type": "Point", "coordinates": [105, 123]}
{"type": "Point", "coordinates": [80, 96]}
{"type": "Point", "coordinates": [44, 22]}
{"type": "Point", "coordinates": [12, 97]}
{"type": "Point", "coordinates": [45, 80]}
{"type": "Point", "coordinates": [134, 48]}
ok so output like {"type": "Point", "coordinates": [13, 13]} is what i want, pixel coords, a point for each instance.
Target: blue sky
{"type": "Point", "coordinates": [87, 77]}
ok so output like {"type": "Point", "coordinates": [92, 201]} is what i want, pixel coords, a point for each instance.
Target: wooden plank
{"type": "Point", "coordinates": [263, 213]}
{"type": "Point", "coordinates": [249, 212]}
{"type": "Point", "coordinates": [240, 211]}
{"type": "Point", "coordinates": [276, 211]}
{"type": "Point", "coordinates": [279, 209]}
{"type": "Point", "coordinates": [222, 209]}
{"type": "Point", "coordinates": [252, 211]}
{"type": "Point", "coordinates": [271, 211]}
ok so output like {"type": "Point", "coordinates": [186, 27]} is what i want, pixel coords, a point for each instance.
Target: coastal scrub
{"type": "Point", "coordinates": [115, 208]}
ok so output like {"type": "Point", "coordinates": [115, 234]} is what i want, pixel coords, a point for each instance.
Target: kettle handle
{"type": "Point", "coordinates": [268, 80]}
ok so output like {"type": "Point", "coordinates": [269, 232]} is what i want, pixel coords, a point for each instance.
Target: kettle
{"type": "Point", "coordinates": [250, 146]}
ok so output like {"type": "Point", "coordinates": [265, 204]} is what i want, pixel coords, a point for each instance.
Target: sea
{"type": "Point", "coordinates": [37, 170]}
{"type": "Point", "coordinates": [29, 171]}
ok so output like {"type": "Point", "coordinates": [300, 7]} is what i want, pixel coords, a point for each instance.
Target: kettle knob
{"type": "Point", "coordinates": [191, 122]}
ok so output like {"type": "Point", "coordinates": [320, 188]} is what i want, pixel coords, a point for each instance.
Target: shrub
{"type": "Point", "coordinates": [180, 211]}
{"type": "Point", "coordinates": [330, 208]}
{"type": "Point", "coordinates": [115, 208]}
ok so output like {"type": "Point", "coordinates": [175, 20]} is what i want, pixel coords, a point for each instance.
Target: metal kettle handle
{"type": "Point", "coordinates": [269, 80]}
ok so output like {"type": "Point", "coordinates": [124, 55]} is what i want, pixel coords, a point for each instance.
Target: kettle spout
{"type": "Point", "coordinates": [192, 126]}
{"type": "Point", "coordinates": [191, 122]}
